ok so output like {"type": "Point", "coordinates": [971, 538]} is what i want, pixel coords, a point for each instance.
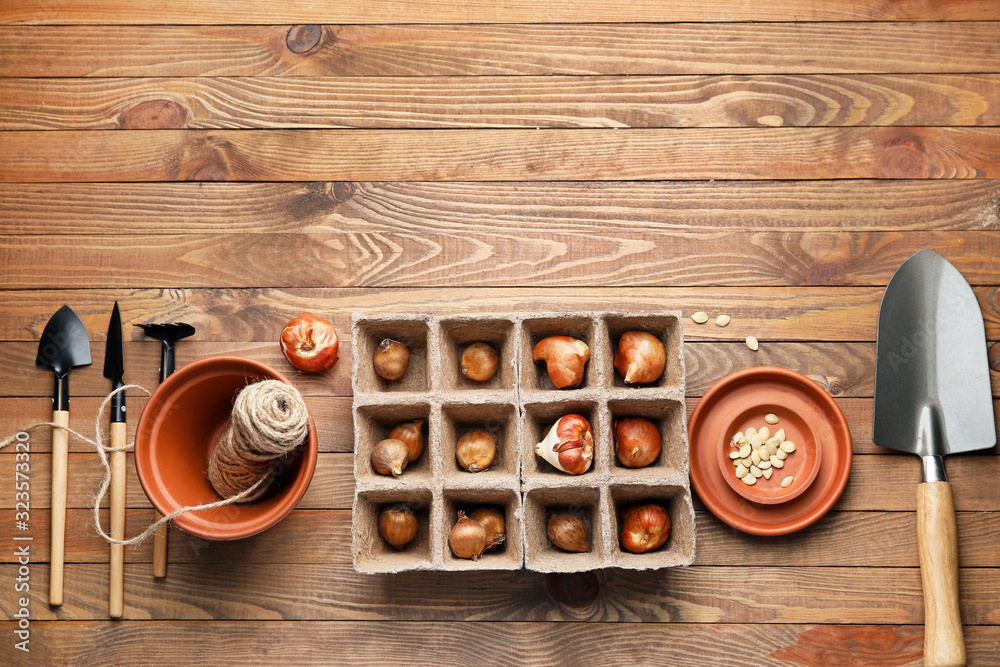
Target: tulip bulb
{"type": "Point", "coordinates": [391, 359]}
{"type": "Point", "coordinates": [390, 456]}
{"type": "Point", "coordinates": [644, 528]}
{"type": "Point", "coordinates": [568, 445]}
{"type": "Point", "coordinates": [637, 441]}
{"type": "Point", "coordinates": [468, 538]}
{"type": "Point", "coordinates": [412, 435]}
{"type": "Point", "coordinates": [568, 533]}
{"type": "Point", "coordinates": [564, 359]}
{"type": "Point", "coordinates": [398, 525]}
{"type": "Point", "coordinates": [640, 357]}
{"type": "Point", "coordinates": [475, 451]}
{"type": "Point", "coordinates": [492, 520]}
{"type": "Point", "coordinates": [479, 362]}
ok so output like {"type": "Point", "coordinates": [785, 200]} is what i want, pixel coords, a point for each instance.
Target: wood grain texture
{"type": "Point", "coordinates": [878, 483]}
{"type": "Point", "coordinates": [841, 539]}
{"type": "Point", "coordinates": [155, 209]}
{"type": "Point", "coordinates": [501, 155]}
{"type": "Point", "coordinates": [531, 101]}
{"type": "Point", "coordinates": [414, 50]}
{"type": "Point", "coordinates": [257, 315]}
{"type": "Point", "coordinates": [499, 643]}
{"type": "Point", "coordinates": [368, 257]}
{"type": "Point", "coordinates": [240, 591]}
{"type": "Point", "coordinates": [139, 12]}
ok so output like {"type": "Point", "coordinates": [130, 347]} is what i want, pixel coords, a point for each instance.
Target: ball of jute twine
{"type": "Point", "coordinates": [269, 421]}
{"type": "Point", "coordinates": [98, 443]}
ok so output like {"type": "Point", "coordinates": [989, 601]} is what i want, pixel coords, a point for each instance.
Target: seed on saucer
{"type": "Point", "coordinates": [771, 418]}
{"type": "Point", "coordinates": [785, 482]}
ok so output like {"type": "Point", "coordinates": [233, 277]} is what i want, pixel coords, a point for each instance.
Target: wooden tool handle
{"type": "Point", "coordinates": [937, 539]}
{"type": "Point", "coordinates": [159, 548]}
{"type": "Point", "coordinates": [117, 581]}
{"type": "Point", "coordinates": [60, 463]}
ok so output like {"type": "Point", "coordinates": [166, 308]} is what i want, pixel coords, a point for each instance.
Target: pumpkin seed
{"type": "Point", "coordinates": [741, 471]}
{"type": "Point", "coordinates": [744, 451]}
{"type": "Point", "coordinates": [764, 465]}
{"type": "Point", "coordinates": [788, 446]}
{"type": "Point", "coordinates": [776, 462]}
{"type": "Point", "coordinates": [755, 471]}
{"type": "Point", "coordinates": [768, 472]}
{"type": "Point", "coordinates": [779, 436]}
{"type": "Point", "coordinates": [734, 454]}
{"type": "Point", "coordinates": [700, 317]}
{"type": "Point", "coordinates": [752, 343]}
{"type": "Point", "coordinates": [755, 457]}
{"type": "Point", "coordinates": [781, 454]}
{"type": "Point", "coordinates": [722, 320]}
{"type": "Point", "coordinates": [771, 418]}
{"type": "Point", "coordinates": [749, 480]}
{"type": "Point", "coordinates": [785, 482]}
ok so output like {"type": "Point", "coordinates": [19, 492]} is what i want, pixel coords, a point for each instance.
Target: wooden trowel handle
{"type": "Point", "coordinates": [159, 548]}
{"type": "Point", "coordinates": [937, 540]}
{"type": "Point", "coordinates": [117, 581]}
{"type": "Point", "coordinates": [60, 462]}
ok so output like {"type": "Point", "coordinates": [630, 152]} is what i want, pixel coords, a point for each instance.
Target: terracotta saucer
{"type": "Point", "coordinates": [807, 411]}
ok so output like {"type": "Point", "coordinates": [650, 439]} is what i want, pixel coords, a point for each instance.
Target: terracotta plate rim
{"type": "Point", "coordinates": [721, 504]}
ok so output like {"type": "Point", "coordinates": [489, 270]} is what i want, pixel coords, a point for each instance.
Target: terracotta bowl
{"type": "Point", "coordinates": [177, 431]}
{"type": "Point", "coordinates": [802, 465]}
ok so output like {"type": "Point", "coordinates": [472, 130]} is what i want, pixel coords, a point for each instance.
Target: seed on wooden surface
{"type": "Point", "coordinates": [788, 446]}
{"type": "Point", "coordinates": [765, 434]}
{"type": "Point", "coordinates": [741, 471]}
{"type": "Point", "coordinates": [781, 454]}
{"type": "Point", "coordinates": [754, 457]}
{"type": "Point", "coordinates": [776, 462]}
{"type": "Point", "coordinates": [771, 418]}
{"type": "Point", "coordinates": [749, 480]}
{"type": "Point", "coordinates": [755, 471]}
{"type": "Point", "coordinates": [768, 472]}
{"type": "Point", "coordinates": [700, 317]}
{"type": "Point", "coordinates": [752, 343]}
{"type": "Point", "coordinates": [744, 451]}
{"type": "Point", "coordinates": [764, 465]}
{"type": "Point", "coordinates": [722, 320]}
{"type": "Point", "coordinates": [785, 482]}
{"type": "Point", "coordinates": [734, 454]}
{"type": "Point", "coordinates": [779, 436]}
{"type": "Point", "coordinates": [756, 441]}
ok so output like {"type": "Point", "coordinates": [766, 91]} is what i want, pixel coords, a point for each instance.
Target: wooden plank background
{"type": "Point", "coordinates": [230, 165]}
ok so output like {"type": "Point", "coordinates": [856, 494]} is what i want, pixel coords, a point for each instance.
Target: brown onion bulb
{"type": "Point", "coordinates": [412, 435]}
{"type": "Point", "coordinates": [492, 520]}
{"type": "Point", "coordinates": [391, 359]}
{"type": "Point", "coordinates": [565, 359]}
{"type": "Point", "coordinates": [390, 456]}
{"type": "Point", "coordinates": [397, 524]}
{"type": "Point", "coordinates": [480, 362]}
{"type": "Point", "coordinates": [640, 357]}
{"type": "Point", "coordinates": [637, 441]}
{"type": "Point", "coordinates": [568, 533]}
{"type": "Point", "coordinates": [644, 528]}
{"type": "Point", "coordinates": [468, 538]}
{"type": "Point", "coordinates": [475, 451]}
